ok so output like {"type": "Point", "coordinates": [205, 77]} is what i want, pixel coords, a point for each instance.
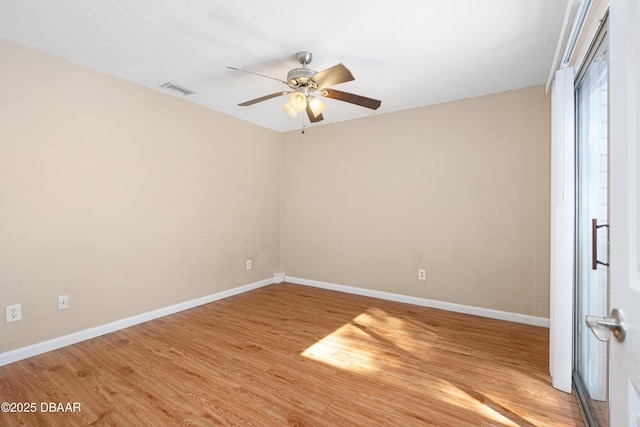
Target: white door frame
{"type": "Point", "coordinates": [624, 106]}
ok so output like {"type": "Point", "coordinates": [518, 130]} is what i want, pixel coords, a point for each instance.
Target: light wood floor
{"type": "Point", "coordinates": [293, 355]}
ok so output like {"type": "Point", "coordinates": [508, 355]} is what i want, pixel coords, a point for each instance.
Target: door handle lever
{"type": "Point", "coordinates": [603, 327]}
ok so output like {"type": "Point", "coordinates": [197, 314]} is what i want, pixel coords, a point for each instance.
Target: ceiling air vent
{"type": "Point", "coordinates": [177, 89]}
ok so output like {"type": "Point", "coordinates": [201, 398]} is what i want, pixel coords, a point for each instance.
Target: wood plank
{"type": "Point", "coordinates": [294, 355]}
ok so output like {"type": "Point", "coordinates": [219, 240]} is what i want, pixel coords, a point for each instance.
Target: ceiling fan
{"type": "Point", "coordinates": [306, 84]}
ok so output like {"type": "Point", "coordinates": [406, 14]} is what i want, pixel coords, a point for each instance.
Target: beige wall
{"type": "Point", "coordinates": [129, 200]}
{"type": "Point", "coordinates": [461, 189]}
{"type": "Point", "coordinates": [124, 198]}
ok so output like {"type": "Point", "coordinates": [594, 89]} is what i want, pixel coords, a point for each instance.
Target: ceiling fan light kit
{"type": "Point", "coordinates": [316, 106]}
{"type": "Point", "coordinates": [289, 110]}
{"type": "Point", "coordinates": [298, 102]}
{"type": "Point", "coordinates": [305, 83]}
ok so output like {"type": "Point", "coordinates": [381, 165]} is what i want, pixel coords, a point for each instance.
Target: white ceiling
{"type": "Point", "coordinates": [407, 53]}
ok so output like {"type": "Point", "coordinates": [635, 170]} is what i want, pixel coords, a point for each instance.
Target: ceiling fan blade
{"type": "Point", "coordinates": [363, 101]}
{"type": "Point", "coordinates": [257, 74]}
{"type": "Point", "coordinates": [312, 118]}
{"type": "Point", "coordinates": [262, 98]}
{"type": "Point", "coordinates": [333, 76]}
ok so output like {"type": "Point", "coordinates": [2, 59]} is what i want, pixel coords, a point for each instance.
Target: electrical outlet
{"type": "Point", "coordinates": [248, 264]}
{"type": "Point", "coordinates": [422, 274]}
{"type": "Point", "coordinates": [63, 302]}
{"type": "Point", "coordinates": [14, 312]}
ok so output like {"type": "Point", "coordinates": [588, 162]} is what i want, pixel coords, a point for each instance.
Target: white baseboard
{"type": "Point", "coordinates": [76, 337]}
{"type": "Point", "coordinates": [458, 308]}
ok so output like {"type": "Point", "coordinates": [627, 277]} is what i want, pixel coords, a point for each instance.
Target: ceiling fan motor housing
{"type": "Point", "coordinates": [301, 77]}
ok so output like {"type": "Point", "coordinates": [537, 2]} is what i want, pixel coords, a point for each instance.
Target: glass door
{"type": "Point", "coordinates": [592, 234]}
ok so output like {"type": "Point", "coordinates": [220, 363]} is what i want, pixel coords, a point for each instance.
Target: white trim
{"type": "Point", "coordinates": [565, 32]}
{"type": "Point", "coordinates": [562, 236]}
{"type": "Point", "coordinates": [442, 305]}
{"type": "Point", "coordinates": [76, 337]}
{"type": "Point", "coordinates": [574, 19]}
{"type": "Point", "coordinates": [576, 31]}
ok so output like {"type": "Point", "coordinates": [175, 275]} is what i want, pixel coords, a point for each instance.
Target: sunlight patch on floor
{"type": "Point", "coordinates": [524, 383]}
{"type": "Point", "coordinates": [369, 341]}
{"type": "Point", "coordinates": [374, 339]}
{"type": "Point", "coordinates": [454, 396]}
{"type": "Point", "coordinates": [343, 349]}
